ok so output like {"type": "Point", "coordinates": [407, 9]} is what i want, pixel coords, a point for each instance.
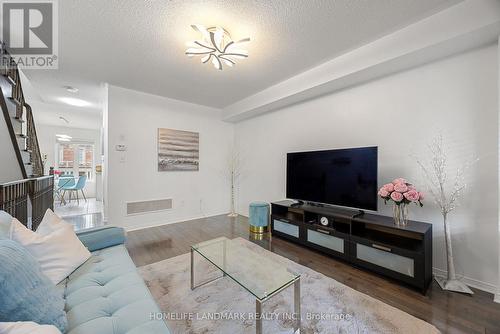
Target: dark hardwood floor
{"type": "Point", "coordinates": [450, 312]}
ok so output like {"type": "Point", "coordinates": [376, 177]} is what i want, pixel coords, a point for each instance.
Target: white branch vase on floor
{"type": "Point", "coordinates": [233, 209]}
{"type": "Point", "coordinates": [451, 283]}
{"type": "Point", "coordinates": [435, 175]}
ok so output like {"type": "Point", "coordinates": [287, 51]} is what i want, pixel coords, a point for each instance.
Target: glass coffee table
{"type": "Point", "coordinates": [259, 275]}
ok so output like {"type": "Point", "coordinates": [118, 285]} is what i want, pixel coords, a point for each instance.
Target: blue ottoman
{"type": "Point", "coordinates": [259, 217]}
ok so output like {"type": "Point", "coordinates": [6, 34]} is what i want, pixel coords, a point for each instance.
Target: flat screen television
{"type": "Point", "coordinates": [343, 177]}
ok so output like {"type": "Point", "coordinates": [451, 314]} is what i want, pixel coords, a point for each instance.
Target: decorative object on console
{"type": "Point", "coordinates": [178, 150]}
{"type": "Point", "coordinates": [402, 193]}
{"type": "Point", "coordinates": [216, 45]}
{"type": "Point", "coordinates": [435, 172]}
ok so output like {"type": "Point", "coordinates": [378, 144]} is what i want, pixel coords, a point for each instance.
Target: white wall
{"type": "Point", "coordinates": [9, 167]}
{"type": "Point", "coordinates": [105, 150]}
{"type": "Point", "coordinates": [133, 120]}
{"type": "Point", "coordinates": [47, 141]}
{"type": "Point", "coordinates": [400, 113]}
{"type": "Point", "coordinates": [497, 295]}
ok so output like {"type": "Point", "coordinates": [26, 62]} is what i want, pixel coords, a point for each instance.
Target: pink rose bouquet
{"type": "Point", "coordinates": [401, 191]}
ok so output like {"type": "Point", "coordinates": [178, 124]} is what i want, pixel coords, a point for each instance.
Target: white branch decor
{"type": "Point", "coordinates": [446, 195]}
{"type": "Point", "coordinates": [216, 45]}
{"type": "Point", "coordinates": [233, 174]}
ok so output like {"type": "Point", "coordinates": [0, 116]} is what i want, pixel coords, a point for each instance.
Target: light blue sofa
{"type": "Point", "coordinates": [106, 295]}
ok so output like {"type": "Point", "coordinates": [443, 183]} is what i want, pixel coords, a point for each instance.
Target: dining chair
{"type": "Point", "coordinates": [82, 181]}
{"type": "Point", "coordinates": [80, 184]}
{"type": "Point", "coordinates": [64, 183]}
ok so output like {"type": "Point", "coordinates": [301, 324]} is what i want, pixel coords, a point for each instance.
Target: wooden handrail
{"type": "Point", "coordinates": [32, 145]}
{"type": "Point", "coordinates": [10, 69]}
{"type": "Point", "coordinates": [12, 134]}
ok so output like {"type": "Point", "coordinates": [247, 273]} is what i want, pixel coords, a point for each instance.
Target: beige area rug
{"type": "Point", "coordinates": [223, 307]}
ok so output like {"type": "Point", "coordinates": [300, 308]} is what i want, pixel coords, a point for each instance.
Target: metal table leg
{"type": "Point", "coordinates": [258, 319]}
{"type": "Point", "coordinates": [193, 284]}
{"type": "Point", "coordinates": [224, 268]}
{"type": "Point", "coordinates": [296, 305]}
{"type": "Point", "coordinates": [192, 269]}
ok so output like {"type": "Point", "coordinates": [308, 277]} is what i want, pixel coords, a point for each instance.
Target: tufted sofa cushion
{"type": "Point", "coordinates": [106, 295]}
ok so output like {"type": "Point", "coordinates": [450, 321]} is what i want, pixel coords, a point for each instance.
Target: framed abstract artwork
{"type": "Point", "coordinates": [178, 150]}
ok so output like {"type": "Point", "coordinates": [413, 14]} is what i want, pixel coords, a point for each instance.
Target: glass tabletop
{"type": "Point", "coordinates": [258, 274]}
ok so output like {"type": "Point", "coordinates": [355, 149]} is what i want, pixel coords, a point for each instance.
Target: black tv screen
{"type": "Point", "coordinates": [344, 177]}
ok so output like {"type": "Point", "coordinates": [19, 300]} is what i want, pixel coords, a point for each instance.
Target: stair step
{"type": "Point", "coordinates": [28, 151]}
{"type": "Point", "coordinates": [18, 127]}
{"type": "Point", "coordinates": [16, 101]}
{"type": "Point", "coordinates": [20, 120]}
{"type": "Point", "coordinates": [26, 156]}
{"type": "Point", "coordinates": [29, 169]}
{"type": "Point", "coordinates": [12, 107]}
{"type": "Point", "coordinates": [12, 81]}
{"type": "Point", "coordinates": [21, 135]}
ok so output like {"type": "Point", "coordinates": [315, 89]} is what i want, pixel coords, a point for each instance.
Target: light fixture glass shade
{"type": "Point", "coordinates": [216, 45]}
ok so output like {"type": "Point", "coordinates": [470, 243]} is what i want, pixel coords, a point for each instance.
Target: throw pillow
{"type": "Point", "coordinates": [5, 220]}
{"type": "Point", "coordinates": [27, 327]}
{"type": "Point", "coordinates": [26, 293]}
{"type": "Point", "coordinates": [59, 253]}
{"type": "Point", "coordinates": [50, 223]}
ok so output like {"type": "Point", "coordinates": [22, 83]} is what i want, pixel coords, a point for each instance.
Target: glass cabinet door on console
{"type": "Point", "coordinates": [282, 226]}
{"type": "Point", "coordinates": [327, 240]}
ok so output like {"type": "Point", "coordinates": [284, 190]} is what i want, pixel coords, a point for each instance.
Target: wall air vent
{"type": "Point", "coordinates": [142, 207]}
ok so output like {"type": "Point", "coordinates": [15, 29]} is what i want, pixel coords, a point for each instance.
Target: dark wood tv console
{"type": "Point", "coordinates": [368, 241]}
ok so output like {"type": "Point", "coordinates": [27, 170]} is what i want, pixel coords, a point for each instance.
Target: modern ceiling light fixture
{"type": "Point", "coordinates": [217, 46]}
{"type": "Point", "coordinates": [65, 120]}
{"type": "Point", "coordinates": [71, 89]}
{"type": "Point", "coordinates": [75, 102]}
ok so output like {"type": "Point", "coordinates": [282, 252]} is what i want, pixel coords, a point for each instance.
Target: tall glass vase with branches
{"type": "Point", "coordinates": [446, 194]}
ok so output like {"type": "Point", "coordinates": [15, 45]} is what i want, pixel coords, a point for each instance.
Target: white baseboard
{"type": "Point", "coordinates": [497, 298]}
{"type": "Point", "coordinates": [162, 223]}
{"type": "Point", "coordinates": [488, 287]}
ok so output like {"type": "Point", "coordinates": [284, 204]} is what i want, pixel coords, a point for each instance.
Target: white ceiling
{"type": "Point", "coordinates": [140, 44]}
